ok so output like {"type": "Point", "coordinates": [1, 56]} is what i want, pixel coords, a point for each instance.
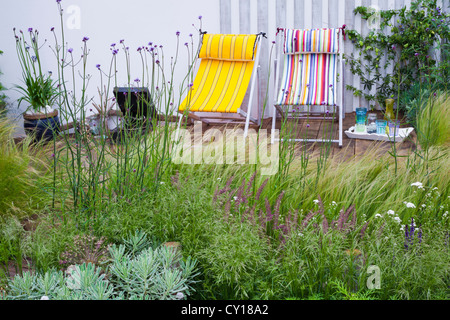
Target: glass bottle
{"type": "Point", "coordinates": [389, 113]}
{"type": "Point", "coordinates": [371, 123]}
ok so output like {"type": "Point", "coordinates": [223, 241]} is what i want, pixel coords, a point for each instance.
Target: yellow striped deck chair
{"type": "Point", "coordinates": [312, 64]}
{"type": "Point", "coordinates": [227, 65]}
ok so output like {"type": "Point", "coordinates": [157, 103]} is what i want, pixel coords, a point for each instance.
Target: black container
{"type": "Point", "coordinates": [42, 129]}
{"type": "Point", "coordinates": [136, 104]}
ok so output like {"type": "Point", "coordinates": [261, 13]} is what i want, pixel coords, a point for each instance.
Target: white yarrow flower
{"type": "Point", "coordinates": [409, 204]}
{"type": "Point", "coordinates": [378, 215]}
{"type": "Point", "coordinates": [398, 219]}
{"type": "Point", "coordinates": [391, 212]}
{"type": "Point", "coordinates": [316, 201]}
{"type": "Point", "coordinates": [417, 184]}
{"type": "Point", "coordinates": [44, 298]}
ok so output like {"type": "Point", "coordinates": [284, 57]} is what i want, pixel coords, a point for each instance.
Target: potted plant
{"type": "Point", "coordinates": [39, 90]}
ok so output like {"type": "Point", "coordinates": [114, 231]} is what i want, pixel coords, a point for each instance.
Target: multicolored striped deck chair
{"type": "Point", "coordinates": [226, 69]}
{"type": "Point", "coordinates": [309, 86]}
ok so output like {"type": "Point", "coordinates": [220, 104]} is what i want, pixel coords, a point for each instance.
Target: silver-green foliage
{"type": "Point", "coordinates": [153, 274]}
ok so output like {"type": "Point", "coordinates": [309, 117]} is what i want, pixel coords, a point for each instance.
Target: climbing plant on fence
{"type": "Point", "coordinates": [413, 41]}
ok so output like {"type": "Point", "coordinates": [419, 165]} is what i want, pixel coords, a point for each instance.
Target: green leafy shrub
{"type": "Point", "coordinates": [407, 40]}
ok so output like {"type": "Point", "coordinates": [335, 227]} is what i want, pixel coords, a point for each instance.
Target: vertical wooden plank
{"type": "Point", "coordinates": [263, 7]}
{"type": "Point", "coordinates": [234, 16]}
{"type": "Point", "coordinates": [281, 14]}
{"type": "Point", "coordinates": [348, 47]}
{"type": "Point", "coordinates": [390, 68]}
{"type": "Point", "coordinates": [225, 16]}
{"type": "Point", "coordinates": [356, 79]}
{"type": "Point", "coordinates": [375, 6]}
{"type": "Point", "coordinates": [308, 14]}
{"type": "Point", "coordinates": [340, 22]}
{"type": "Point", "coordinates": [333, 7]}
{"type": "Point", "coordinates": [244, 17]}
{"type": "Point", "coordinates": [253, 16]}
{"type": "Point", "coordinates": [325, 13]}
{"type": "Point", "coordinates": [298, 16]}
{"type": "Point", "coordinates": [271, 37]}
{"type": "Point", "coordinates": [290, 11]}
{"type": "Point", "coordinates": [316, 14]}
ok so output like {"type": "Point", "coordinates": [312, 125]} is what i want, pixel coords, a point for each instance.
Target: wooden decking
{"type": "Point", "coordinates": [350, 147]}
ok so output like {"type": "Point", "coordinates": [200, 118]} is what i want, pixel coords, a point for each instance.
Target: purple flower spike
{"type": "Point", "coordinates": [199, 17]}
{"type": "Point", "coordinates": [416, 54]}
{"type": "Point", "coordinates": [137, 80]}
{"type": "Point", "coordinates": [30, 29]}
{"type": "Point", "coordinates": [113, 44]}
{"type": "Point", "coordinates": [70, 50]}
{"type": "Point", "coordinates": [307, 125]}
{"type": "Point", "coordinates": [85, 39]}
{"type": "Point", "coordinates": [98, 66]}
{"type": "Point", "coordinates": [178, 33]}
{"type": "Point", "coordinates": [52, 29]}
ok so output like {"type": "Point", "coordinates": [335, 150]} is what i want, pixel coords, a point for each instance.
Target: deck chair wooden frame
{"type": "Point", "coordinates": [323, 65]}
{"type": "Point", "coordinates": [228, 65]}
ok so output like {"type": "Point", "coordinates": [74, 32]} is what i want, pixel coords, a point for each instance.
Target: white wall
{"type": "Point", "coordinates": [104, 22]}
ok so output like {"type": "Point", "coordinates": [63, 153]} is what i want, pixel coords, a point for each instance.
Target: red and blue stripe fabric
{"type": "Point", "coordinates": [310, 67]}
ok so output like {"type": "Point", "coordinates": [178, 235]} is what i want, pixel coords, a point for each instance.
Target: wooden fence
{"type": "Point", "coordinates": [253, 16]}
